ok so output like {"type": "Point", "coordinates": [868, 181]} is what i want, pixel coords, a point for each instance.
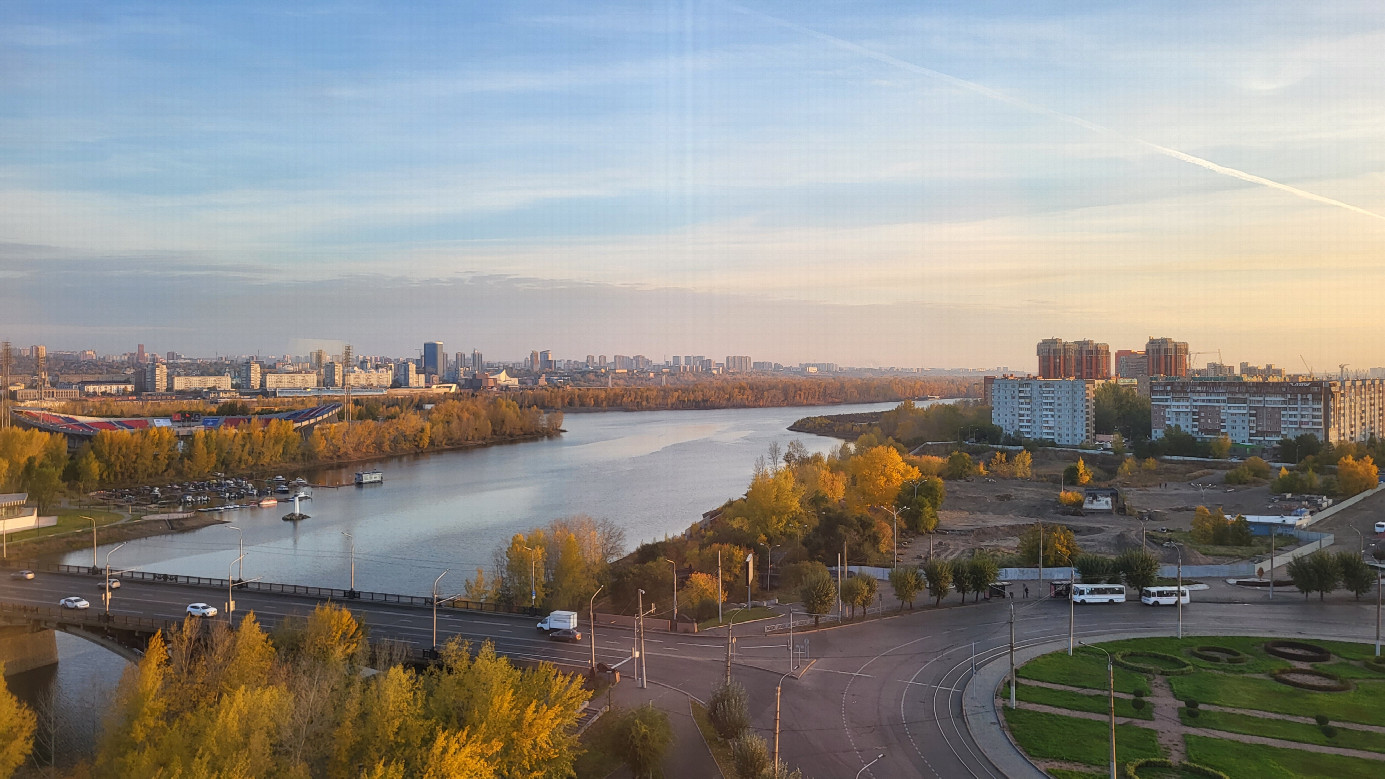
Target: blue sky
{"type": "Point", "coordinates": [868, 183]}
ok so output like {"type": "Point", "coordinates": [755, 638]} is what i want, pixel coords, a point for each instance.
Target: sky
{"type": "Point", "coordinates": [912, 184]}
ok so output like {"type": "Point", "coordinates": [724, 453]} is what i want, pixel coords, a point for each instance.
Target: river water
{"type": "Point", "coordinates": [652, 472]}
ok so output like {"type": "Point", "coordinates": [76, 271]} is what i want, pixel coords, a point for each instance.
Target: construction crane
{"type": "Point", "coordinates": [1342, 370]}
{"type": "Point", "coordinates": [1193, 356]}
{"type": "Point", "coordinates": [1309, 367]}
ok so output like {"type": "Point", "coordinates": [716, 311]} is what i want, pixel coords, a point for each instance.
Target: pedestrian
{"type": "Point", "coordinates": [1026, 591]}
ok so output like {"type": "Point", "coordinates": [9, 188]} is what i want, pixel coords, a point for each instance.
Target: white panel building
{"type": "Point", "coordinates": [1059, 410]}
{"type": "Point", "coordinates": [1262, 412]}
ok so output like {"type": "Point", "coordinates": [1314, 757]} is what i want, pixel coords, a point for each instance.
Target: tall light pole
{"type": "Point", "coordinates": [877, 759]}
{"type": "Point", "coordinates": [93, 539]}
{"type": "Point", "coordinates": [1072, 612]}
{"type": "Point", "coordinates": [1272, 534]}
{"type": "Point", "coordinates": [1362, 539]}
{"type": "Point", "coordinates": [641, 666]}
{"type": "Point", "coordinates": [1179, 549]}
{"type": "Point", "coordinates": [1378, 580]}
{"type": "Point", "coordinates": [591, 614]}
{"type": "Point", "coordinates": [674, 622]}
{"type": "Point", "coordinates": [533, 577]}
{"type": "Point", "coordinates": [1111, 677]}
{"type": "Point", "coordinates": [240, 548]}
{"type": "Point", "coordinates": [769, 561]}
{"type": "Point", "coordinates": [777, 688]}
{"type": "Point", "coordinates": [749, 575]}
{"type": "Point", "coordinates": [353, 559]}
{"type": "Point", "coordinates": [895, 561]}
{"type": "Point", "coordinates": [107, 595]}
{"type": "Point", "coordinates": [435, 607]}
{"type": "Point", "coordinates": [230, 596]}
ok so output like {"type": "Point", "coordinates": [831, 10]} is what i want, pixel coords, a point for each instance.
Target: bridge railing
{"type": "Point", "coordinates": [84, 617]}
{"type": "Point", "coordinates": [422, 601]}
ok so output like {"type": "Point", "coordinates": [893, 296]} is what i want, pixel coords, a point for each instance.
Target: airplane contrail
{"type": "Point", "coordinates": [972, 86]}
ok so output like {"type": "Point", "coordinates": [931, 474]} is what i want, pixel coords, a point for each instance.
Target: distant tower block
{"type": "Point", "coordinates": [347, 366]}
{"type": "Point", "coordinates": [4, 384]}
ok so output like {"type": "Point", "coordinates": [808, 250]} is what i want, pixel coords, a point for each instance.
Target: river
{"type": "Point", "coordinates": [651, 472]}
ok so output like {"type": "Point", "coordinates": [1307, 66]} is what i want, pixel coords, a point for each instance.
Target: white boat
{"type": "Point", "coordinates": [267, 502]}
{"type": "Point", "coordinates": [369, 477]}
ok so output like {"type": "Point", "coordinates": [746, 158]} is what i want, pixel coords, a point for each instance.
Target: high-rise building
{"type": "Point", "coordinates": [534, 361]}
{"type": "Point", "coordinates": [738, 363]}
{"type": "Point", "coordinates": [1059, 359]}
{"type": "Point", "coordinates": [1166, 357]}
{"type": "Point", "coordinates": [1131, 364]}
{"type": "Point", "coordinates": [1059, 410]}
{"type": "Point", "coordinates": [546, 360]}
{"type": "Point", "coordinates": [139, 355]}
{"type": "Point", "coordinates": [434, 359]}
{"type": "Point", "coordinates": [333, 374]}
{"type": "Point", "coordinates": [476, 362]}
{"type": "Point", "coordinates": [152, 378]}
{"type": "Point", "coordinates": [1263, 412]}
{"type": "Point", "coordinates": [250, 377]}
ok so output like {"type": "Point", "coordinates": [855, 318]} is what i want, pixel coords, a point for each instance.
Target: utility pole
{"type": "Point", "coordinates": [591, 614]}
{"type": "Point", "coordinates": [106, 595]}
{"type": "Point", "coordinates": [644, 658]}
{"type": "Point", "coordinates": [353, 558]}
{"type": "Point", "coordinates": [1041, 559]}
{"type": "Point", "coordinates": [1378, 580]}
{"type": "Point", "coordinates": [673, 624]}
{"type": "Point", "coordinates": [240, 549]}
{"type": "Point", "coordinates": [1012, 654]}
{"type": "Point", "coordinates": [719, 595]}
{"type": "Point", "coordinates": [749, 576]}
{"type": "Point", "coordinates": [1272, 529]}
{"type": "Point", "coordinates": [777, 689]}
{"type": "Point", "coordinates": [435, 609]}
{"type": "Point", "coordinates": [93, 541]}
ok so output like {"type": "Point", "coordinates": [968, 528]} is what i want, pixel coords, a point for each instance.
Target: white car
{"type": "Point", "coordinates": [201, 610]}
{"type": "Point", "coordinates": [74, 602]}
{"type": "Point", "coordinates": [111, 584]}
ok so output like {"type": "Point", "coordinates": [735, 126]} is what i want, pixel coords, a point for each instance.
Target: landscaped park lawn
{"type": "Point", "coordinates": [1230, 672]}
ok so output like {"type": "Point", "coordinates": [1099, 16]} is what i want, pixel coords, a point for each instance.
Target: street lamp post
{"type": "Point", "coordinates": [1362, 539]}
{"type": "Point", "coordinates": [1072, 612]}
{"type": "Point", "coordinates": [777, 689]}
{"type": "Point", "coordinates": [435, 607]}
{"type": "Point", "coordinates": [769, 561]}
{"type": "Point", "coordinates": [352, 539]}
{"type": "Point", "coordinates": [1378, 580]}
{"type": "Point", "coordinates": [591, 614]}
{"type": "Point", "coordinates": [1111, 678]}
{"type": "Point", "coordinates": [533, 577]}
{"type": "Point", "coordinates": [674, 622]}
{"type": "Point", "coordinates": [1179, 593]}
{"type": "Point", "coordinates": [877, 759]}
{"type": "Point", "coordinates": [93, 539]}
{"type": "Point", "coordinates": [230, 596]}
{"type": "Point", "coordinates": [749, 575]}
{"type": "Point", "coordinates": [107, 595]}
{"type": "Point", "coordinates": [240, 549]}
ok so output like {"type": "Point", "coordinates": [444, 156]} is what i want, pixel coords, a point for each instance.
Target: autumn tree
{"type": "Point", "coordinates": [1077, 474]}
{"type": "Point", "coordinates": [17, 726]}
{"type": "Point", "coordinates": [1022, 465]}
{"type": "Point", "coordinates": [959, 466]}
{"type": "Point", "coordinates": [875, 478]}
{"type": "Point", "coordinates": [1356, 476]}
{"type": "Point", "coordinates": [641, 737]}
{"type": "Point", "coordinates": [1059, 545]}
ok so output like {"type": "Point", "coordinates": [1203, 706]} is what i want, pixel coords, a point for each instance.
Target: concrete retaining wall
{"type": "Point", "coordinates": [22, 649]}
{"type": "Point", "coordinates": [1349, 502]}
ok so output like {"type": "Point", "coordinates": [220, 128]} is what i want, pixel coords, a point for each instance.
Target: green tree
{"type": "Point", "coordinates": [981, 572]}
{"type": "Point", "coordinates": [17, 725]}
{"type": "Point", "coordinates": [1095, 568]}
{"type": "Point", "coordinates": [854, 592]}
{"type": "Point", "coordinates": [818, 593]}
{"type": "Point", "coordinates": [959, 466]}
{"type": "Point", "coordinates": [1118, 444]}
{"type": "Point", "coordinates": [1138, 568]}
{"type": "Point", "coordinates": [729, 710]}
{"type": "Point", "coordinates": [907, 582]}
{"type": "Point", "coordinates": [1357, 577]}
{"type": "Point", "coordinates": [1303, 574]}
{"type": "Point", "coordinates": [1326, 575]}
{"type": "Point", "coordinates": [642, 736]}
{"type": "Point", "coordinates": [938, 576]}
{"type": "Point", "coordinates": [919, 502]}
{"type": "Point", "coordinates": [43, 483]}
{"type": "Point", "coordinates": [1077, 474]}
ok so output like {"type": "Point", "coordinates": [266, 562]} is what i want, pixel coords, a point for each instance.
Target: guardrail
{"type": "Point", "coordinates": [84, 617]}
{"type": "Point", "coordinates": [277, 588]}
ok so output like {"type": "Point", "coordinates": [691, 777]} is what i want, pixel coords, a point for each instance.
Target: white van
{"type": "Point", "coordinates": [1164, 596]}
{"type": "Point", "coordinates": [1098, 593]}
{"type": "Point", "coordinates": [1380, 527]}
{"type": "Point", "coordinates": [559, 620]}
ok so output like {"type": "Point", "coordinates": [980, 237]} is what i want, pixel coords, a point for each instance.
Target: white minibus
{"type": "Point", "coordinates": [1163, 596]}
{"type": "Point", "coordinates": [1098, 593]}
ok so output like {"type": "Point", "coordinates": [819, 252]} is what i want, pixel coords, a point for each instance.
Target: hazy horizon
{"type": "Point", "coordinates": [871, 184]}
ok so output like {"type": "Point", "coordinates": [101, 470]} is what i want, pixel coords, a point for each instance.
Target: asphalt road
{"type": "Point", "coordinates": [890, 686]}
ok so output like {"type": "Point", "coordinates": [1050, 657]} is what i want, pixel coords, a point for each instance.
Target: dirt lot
{"type": "Point", "coordinates": [991, 513]}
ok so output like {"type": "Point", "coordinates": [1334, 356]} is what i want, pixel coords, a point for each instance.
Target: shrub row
{"type": "Point", "coordinates": [1219, 654]}
{"type": "Point", "coordinates": [1132, 770]}
{"type": "Point", "coordinates": [1123, 660]}
{"type": "Point", "coordinates": [1330, 683]}
{"type": "Point", "coordinates": [1297, 650]}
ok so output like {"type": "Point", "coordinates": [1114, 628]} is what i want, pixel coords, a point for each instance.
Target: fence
{"type": "Point", "coordinates": [1349, 502]}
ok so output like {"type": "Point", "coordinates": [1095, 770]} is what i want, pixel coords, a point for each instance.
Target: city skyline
{"type": "Point", "coordinates": [886, 185]}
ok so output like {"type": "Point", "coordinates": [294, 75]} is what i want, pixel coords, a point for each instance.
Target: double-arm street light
{"type": "Point", "coordinates": [1179, 549]}
{"type": "Point", "coordinates": [533, 580]}
{"type": "Point", "coordinates": [353, 558]}
{"type": "Point", "coordinates": [769, 561]}
{"type": "Point", "coordinates": [230, 596]}
{"type": "Point", "coordinates": [106, 596]}
{"type": "Point", "coordinates": [1111, 678]}
{"type": "Point", "coordinates": [240, 549]}
{"type": "Point", "coordinates": [435, 607]}
{"type": "Point", "coordinates": [93, 540]}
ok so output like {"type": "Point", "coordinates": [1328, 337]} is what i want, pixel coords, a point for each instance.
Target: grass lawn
{"type": "Point", "coordinates": [1086, 668]}
{"type": "Point", "coordinates": [721, 751]}
{"type": "Point", "coordinates": [1083, 741]}
{"type": "Point", "coordinates": [1364, 704]}
{"type": "Point", "coordinates": [594, 760]}
{"type": "Point", "coordinates": [1067, 699]}
{"type": "Point", "coordinates": [1260, 546]}
{"type": "Point", "coordinates": [1285, 730]}
{"type": "Point", "coordinates": [1236, 759]}
{"type": "Point", "coordinates": [1259, 662]}
{"type": "Point", "coordinates": [68, 521]}
{"type": "Point", "coordinates": [1063, 773]}
{"type": "Point", "coordinates": [737, 616]}
{"type": "Point", "coordinates": [1350, 671]}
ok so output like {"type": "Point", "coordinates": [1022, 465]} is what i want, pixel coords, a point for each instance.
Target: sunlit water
{"type": "Point", "coordinates": [653, 473]}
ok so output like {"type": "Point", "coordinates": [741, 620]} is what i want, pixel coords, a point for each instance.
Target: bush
{"type": "Point", "coordinates": [1192, 713]}
{"type": "Point", "coordinates": [1191, 703]}
{"type": "Point", "coordinates": [641, 737]}
{"type": "Point", "coordinates": [751, 756]}
{"type": "Point", "coordinates": [1321, 719]}
{"type": "Point", "coordinates": [1329, 731]}
{"type": "Point", "coordinates": [1070, 499]}
{"type": "Point", "coordinates": [1141, 692]}
{"type": "Point", "coordinates": [1138, 704]}
{"type": "Point", "coordinates": [729, 710]}
{"type": "Point", "coordinates": [1132, 770]}
{"type": "Point", "coordinates": [1297, 650]}
{"type": "Point", "coordinates": [1219, 654]}
{"type": "Point", "coordinates": [1310, 679]}
{"type": "Point", "coordinates": [1163, 664]}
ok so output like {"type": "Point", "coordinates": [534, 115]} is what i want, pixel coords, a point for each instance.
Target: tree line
{"type": "Point", "coordinates": [38, 463]}
{"type": "Point", "coordinates": [742, 392]}
{"type": "Point", "coordinates": [207, 700]}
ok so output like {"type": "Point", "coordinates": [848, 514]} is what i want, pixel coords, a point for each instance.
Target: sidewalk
{"type": "Point", "coordinates": [689, 757]}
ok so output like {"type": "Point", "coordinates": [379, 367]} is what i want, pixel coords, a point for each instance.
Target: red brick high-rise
{"type": "Point", "coordinates": [1073, 359]}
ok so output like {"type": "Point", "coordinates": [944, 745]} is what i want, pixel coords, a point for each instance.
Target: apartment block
{"type": "Point", "coordinates": [1059, 410]}
{"type": "Point", "coordinates": [1262, 412]}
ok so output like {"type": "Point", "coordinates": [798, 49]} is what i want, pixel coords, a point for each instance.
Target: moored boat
{"type": "Point", "coordinates": [369, 477]}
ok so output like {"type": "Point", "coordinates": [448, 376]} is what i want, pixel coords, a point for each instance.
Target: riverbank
{"type": "Point", "coordinates": [115, 533]}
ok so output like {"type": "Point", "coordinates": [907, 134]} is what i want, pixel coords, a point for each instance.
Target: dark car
{"type": "Point", "coordinates": [566, 634]}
